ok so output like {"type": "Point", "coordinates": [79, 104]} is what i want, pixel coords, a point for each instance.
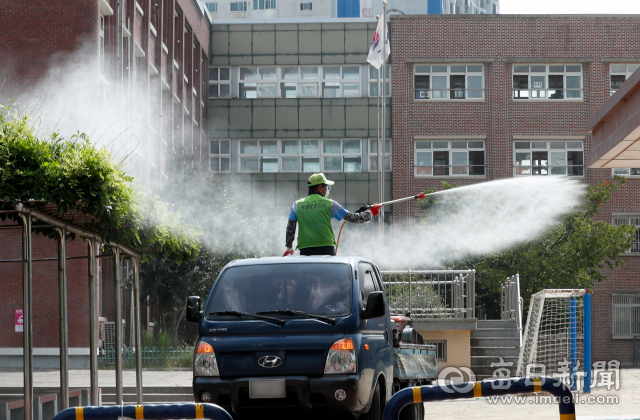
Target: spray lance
{"type": "Point", "coordinates": [377, 206]}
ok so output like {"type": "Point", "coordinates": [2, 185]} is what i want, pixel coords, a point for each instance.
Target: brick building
{"type": "Point", "coordinates": [483, 98]}
{"type": "Point", "coordinates": [146, 60]}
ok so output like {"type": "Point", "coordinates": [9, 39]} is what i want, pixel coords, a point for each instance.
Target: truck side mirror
{"type": "Point", "coordinates": [375, 306]}
{"type": "Point", "coordinates": [193, 309]}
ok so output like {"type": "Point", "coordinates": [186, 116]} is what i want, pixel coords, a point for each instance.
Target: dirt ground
{"type": "Point", "coordinates": [623, 403]}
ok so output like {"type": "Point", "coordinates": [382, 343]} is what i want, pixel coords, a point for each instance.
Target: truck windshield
{"type": "Point", "coordinates": [319, 289]}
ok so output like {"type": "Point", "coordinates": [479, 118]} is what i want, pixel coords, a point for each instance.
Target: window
{"type": "Point", "coordinates": [219, 82]}
{"type": "Point", "coordinates": [341, 156]}
{"type": "Point", "coordinates": [220, 156]}
{"type": "Point", "coordinates": [373, 155]}
{"type": "Point", "coordinates": [449, 158]}
{"type": "Point", "coordinates": [373, 82]}
{"type": "Point", "coordinates": [547, 82]}
{"type": "Point", "coordinates": [368, 283]}
{"type": "Point", "coordinates": [554, 157]}
{"type": "Point", "coordinates": [301, 155]}
{"type": "Point", "coordinates": [213, 7]}
{"type": "Point", "coordinates": [306, 6]}
{"type": "Point", "coordinates": [444, 81]}
{"type": "Point", "coordinates": [299, 82]}
{"type": "Point", "coordinates": [633, 220]}
{"type": "Point", "coordinates": [620, 73]}
{"type": "Point", "coordinates": [626, 171]}
{"type": "Point", "coordinates": [626, 315]}
{"type": "Point", "coordinates": [264, 4]}
{"type": "Point", "coordinates": [238, 6]}
{"type": "Point", "coordinates": [441, 349]}
{"type": "Point", "coordinates": [101, 45]}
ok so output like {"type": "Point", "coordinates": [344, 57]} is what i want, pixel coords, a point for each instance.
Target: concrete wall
{"type": "Point", "coordinates": [458, 346]}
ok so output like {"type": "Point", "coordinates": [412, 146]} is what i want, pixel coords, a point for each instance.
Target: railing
{"type": "Point", "coordinates": [149, 411]}
{"type": "Point", "coordinates": [431, 293]}
{"type": "Point", "coordinates": [506, 386]}
{"type": "Point", "coordinates": [511, 302]}
{"type": "Point", "coordinates": [150, 356]}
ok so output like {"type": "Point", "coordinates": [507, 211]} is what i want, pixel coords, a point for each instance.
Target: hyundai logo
{"type": "Point", "coordinates": [269, 361]}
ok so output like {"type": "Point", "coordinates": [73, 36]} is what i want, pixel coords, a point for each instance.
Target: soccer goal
{"type": "Point", "coordinates": [557, 337]}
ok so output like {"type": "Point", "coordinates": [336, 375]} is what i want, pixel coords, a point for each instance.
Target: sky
{"type": "Point", "coordinates": [569, 6]}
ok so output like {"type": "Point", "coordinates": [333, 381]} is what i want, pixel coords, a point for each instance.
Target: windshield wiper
{"type": "Point", "coordinates": [291, 312]}
{"type": "Point", "coordinates": [241, 314]}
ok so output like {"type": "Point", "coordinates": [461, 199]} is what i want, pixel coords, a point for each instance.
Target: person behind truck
{"type": "Point", "coordinates": [314, 213]}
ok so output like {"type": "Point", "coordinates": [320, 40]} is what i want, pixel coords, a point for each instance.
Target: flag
{"type": "Point", "coordinates": [375, 52]}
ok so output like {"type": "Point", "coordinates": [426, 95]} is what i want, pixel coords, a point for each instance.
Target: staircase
{"type": "Point", "coordinates": [151, 395]}
{"type": "Point", "coordinates": [492, 340]}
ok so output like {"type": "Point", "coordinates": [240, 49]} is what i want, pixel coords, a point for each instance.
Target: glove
{"type": "Point", "coordinates": [375, 210]}
{"type": "Point", "coordinates": [289, 251]}
{"type": "Point", "coordinates": [362, 209]}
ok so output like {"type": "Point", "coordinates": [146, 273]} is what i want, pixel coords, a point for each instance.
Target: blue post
{"type": "Point", "coordinates": [587, 343]}
{"type": "Point", "coordinates": [573, 341]}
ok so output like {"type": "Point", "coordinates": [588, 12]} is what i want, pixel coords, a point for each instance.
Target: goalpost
{"type": "Point", "coordinates": [557, 337]}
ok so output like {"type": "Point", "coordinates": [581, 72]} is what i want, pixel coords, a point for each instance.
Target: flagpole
{"type": "Point", "coordinates": [383, 134]}
{"type": "Point", "coordinates": [378, 173]}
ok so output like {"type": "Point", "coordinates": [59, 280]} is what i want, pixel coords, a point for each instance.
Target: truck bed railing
{"type": "Point", "coordinates": [431, 293]}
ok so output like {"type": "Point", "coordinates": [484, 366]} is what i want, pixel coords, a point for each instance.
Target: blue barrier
{"type": "Point", "coordinates": [504, 386]}
{"type": "Point", "coordinates": [151, 411]}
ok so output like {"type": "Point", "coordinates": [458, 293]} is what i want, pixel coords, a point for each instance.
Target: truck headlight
{"type": "Point", "coordinates": [204, 361]}
{"type": "Point", "coordinates": [341, 357]}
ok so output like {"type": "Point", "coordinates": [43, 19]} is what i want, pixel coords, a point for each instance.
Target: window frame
{"type": "Point", "coordinates": [303, 6]}
{"type": "Point", "coordinates": [238, 3]}
{"type": "Point", "coordinates": [215, 6]}
{"type": "Point", "coordinates": [280, 155]}
{"type": "Point", "coordinates": [537, 149]}
{"type": "Point", "coordinates": [630, 68]}
{"type": "Point", "coordinates": [279, 81]}
{"type": "Point", "coordinates": [633, 219]}
{"type": "Point", "coordinates": [517, 71]}
{"type": "Point", "coordinates": [220, 156]}
{"type": "Point", "coordinates": [617, 312]}
{"type": "Point", "coordinates": [373, 155]}
{"type": "Point", "coordinates": [431, 94]}
{"type": "Point", "coordinates": [372, 76]}
{"type": "Point", "coordinates": [266, 4]}
{"type": "Point", "coordinates": [419, 147]}
{"type": "Point", "coordinates": [217, 83]}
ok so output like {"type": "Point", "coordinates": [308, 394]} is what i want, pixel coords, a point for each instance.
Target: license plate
{"type": "Point", "coordinates": [267, 388]}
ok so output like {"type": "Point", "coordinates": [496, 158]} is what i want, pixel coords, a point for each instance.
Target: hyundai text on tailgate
{"type": "Point", "coordinates": [304, 333]}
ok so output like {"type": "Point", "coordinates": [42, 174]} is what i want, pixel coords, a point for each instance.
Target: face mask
{"type": "Point", "coordinates": [327, 193]}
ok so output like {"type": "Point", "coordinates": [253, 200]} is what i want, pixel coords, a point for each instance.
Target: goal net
{"type": "Point", "coordinates": [556, 341]}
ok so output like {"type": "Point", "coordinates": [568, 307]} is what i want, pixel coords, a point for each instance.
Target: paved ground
{"type": "Point", "coordinates": [626, 406]}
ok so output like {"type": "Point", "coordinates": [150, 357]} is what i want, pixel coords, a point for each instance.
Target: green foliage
{"type": "Point", "coordinates": [75, 176]}
{"type": "Point", "coordinates": [572, 254]}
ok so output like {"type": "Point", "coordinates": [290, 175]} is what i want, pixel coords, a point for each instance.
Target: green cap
{"type": "Point", "coordinates": [317, 179]}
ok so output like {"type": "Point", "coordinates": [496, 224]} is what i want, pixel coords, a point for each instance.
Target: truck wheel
{"type": "Point", "coordinates": [375, 412]}
{"type": "Point", "coordinates": [412, 412]}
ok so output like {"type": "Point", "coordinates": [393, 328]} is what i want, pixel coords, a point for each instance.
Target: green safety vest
{"type": "Point", "coordinates": [314, 221]}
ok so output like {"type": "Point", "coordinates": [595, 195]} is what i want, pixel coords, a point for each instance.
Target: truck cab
{"type": "Point", "coordinates": [296, 332]}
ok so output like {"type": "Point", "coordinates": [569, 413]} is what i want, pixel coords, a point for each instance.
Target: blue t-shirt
{"type": "Point", "coordinates": [337, 211]}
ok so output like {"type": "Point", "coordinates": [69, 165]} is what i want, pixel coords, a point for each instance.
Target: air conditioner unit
{"type": "Point", "coordinates": [423, 94]}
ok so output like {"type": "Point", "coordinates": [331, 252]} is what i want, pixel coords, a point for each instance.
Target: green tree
{"type": "Point", "coordinates": [571, 254]}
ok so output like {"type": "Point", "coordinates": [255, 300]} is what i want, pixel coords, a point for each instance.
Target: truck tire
{"type": "Point", "coordinates": [412, 412]}
{"type": "Point", "coordinates": [375, 412]}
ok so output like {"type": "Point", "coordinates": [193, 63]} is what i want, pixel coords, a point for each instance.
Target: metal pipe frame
{"type": "Point", "coordinates": [62, 306]}
{"type": "Point", "coordinates": [138, 332]}
{"type": "Point", "coordinates": [84, 257]}
{"type": "Point", "coordinates": [118, 323]}
{"type": "Point", "coordinates": [93, 323]}
{"type": "Point", "coordinates": [27, 318]}
{"type": "Point", "coordinates": [152, 411]}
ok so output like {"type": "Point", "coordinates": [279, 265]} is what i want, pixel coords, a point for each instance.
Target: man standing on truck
{"type": "Point", "coordinates": [314, 212]}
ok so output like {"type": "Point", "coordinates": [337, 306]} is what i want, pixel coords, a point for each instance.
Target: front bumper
{"type": "Point", "coordinates": [303, 392]}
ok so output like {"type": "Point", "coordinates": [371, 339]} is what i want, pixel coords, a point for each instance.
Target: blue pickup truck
{"type": "Point", "coordinates": [304, 333]}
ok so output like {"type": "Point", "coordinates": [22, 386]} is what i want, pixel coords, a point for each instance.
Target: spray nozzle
{"type": "Point", "coordinates": [420, 196]}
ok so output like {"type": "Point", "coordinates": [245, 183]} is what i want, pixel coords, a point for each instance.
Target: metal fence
{"type": "Point", "coordinates": [511, 302]}
{"type": "Point", "coordinates": [150, 356]}
{"type": "Point", "coordinates": [431, 293]}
